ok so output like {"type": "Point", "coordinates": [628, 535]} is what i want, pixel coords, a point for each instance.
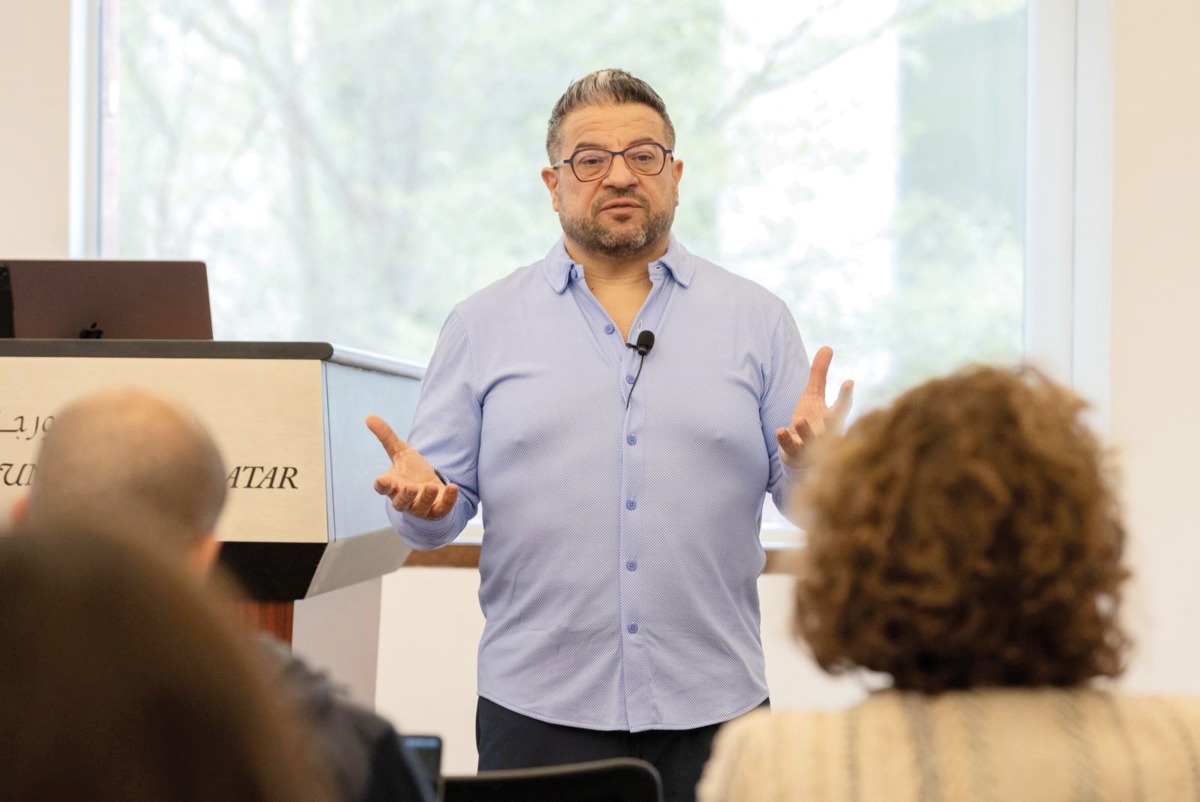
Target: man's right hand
{"type": "Point", "coordinates": [410, 483]}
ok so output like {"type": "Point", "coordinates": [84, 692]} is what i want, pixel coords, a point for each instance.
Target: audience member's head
{"type": "Point", "coordinates": [128, 461]}
{"type": "Point", "coordinates": [121, 680]}
{"type": "Point", "coordinates": [965, 536]}
{"type": "Point", "coordinates": [129, 464]}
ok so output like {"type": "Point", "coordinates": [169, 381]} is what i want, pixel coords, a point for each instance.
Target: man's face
{"type": "Point", "coordinates": [624, 214]}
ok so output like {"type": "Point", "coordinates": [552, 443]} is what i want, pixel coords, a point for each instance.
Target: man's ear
{"type": "Point", "coordinates": [203, 556]}
{"type": "Point", "coordinates": [20, 511]}
{"type": "Point", "coordinates": [550, 179]}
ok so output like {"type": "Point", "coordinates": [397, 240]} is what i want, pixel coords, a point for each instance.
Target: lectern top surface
{"type": "Point", "coordinates": [166, 349]}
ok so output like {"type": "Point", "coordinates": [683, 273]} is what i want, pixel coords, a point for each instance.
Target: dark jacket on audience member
{"type": "Point", "coordinates": [368, 759]}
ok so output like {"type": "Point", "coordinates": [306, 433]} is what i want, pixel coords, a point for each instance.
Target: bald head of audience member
{"type": "Point", "coordinates": [129, 460]}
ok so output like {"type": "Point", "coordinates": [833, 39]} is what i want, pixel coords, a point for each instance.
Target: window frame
{"type": "Point", "coordinates": [1069, 178]}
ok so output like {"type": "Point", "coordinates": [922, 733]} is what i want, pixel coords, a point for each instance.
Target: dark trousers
{"type": "Point", "coordinates": [508, 740]}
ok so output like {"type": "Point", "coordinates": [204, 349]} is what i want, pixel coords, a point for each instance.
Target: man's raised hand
{"type": "Point", "coordinates": [812, 417]}
{"type": "Point", "coordinates": [410, 483]}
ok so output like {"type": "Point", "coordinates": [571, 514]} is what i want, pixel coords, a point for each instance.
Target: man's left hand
{"type": "Point", "coordinates": [812, 417]}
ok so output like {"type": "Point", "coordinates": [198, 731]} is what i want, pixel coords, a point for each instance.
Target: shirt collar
{"type": "Point", "coordinates": [559, 269]}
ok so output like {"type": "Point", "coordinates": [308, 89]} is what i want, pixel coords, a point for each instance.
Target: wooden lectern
{"type": "Point", "coordinates": [302, 517]}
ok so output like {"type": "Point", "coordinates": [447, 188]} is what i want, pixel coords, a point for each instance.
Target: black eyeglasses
{"type": "Point", "coordinates": [590, 164]}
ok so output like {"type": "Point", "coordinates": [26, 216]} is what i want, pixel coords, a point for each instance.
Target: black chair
{"type": "Point", "coordinates": [623, 779]}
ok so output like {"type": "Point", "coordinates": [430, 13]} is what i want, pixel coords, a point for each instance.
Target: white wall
{"type": "Point", "coordinates": [430, 621]}
{"type": "Point", "coordinates": [34, 127]}
{"type": "Point", "coordinates": [429, 632]}
{"type": "Point", "coordinates": [1155, 384]}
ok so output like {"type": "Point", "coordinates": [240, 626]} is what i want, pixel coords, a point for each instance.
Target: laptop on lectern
{"type": "Point", "coordinates": [104, 298]}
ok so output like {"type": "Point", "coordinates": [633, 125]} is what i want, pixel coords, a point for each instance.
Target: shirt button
{"type": "Point", "coordinates": [633, 628]}
{"type": "Point", "coordinates": [629, 378]}
{"type": "Point", "coordinates": [631, 505]}
{"type": "Point", "coordinates": [631, 565]}
{"type": "Point", "coordinates": [631, 439]}
{"type": "Point", "coordinates": [609, 329]}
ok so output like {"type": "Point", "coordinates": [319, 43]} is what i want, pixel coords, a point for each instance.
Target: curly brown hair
{"type": "Point", "coordinates": [967, 535]}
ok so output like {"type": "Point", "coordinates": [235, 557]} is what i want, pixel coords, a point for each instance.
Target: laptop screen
{"type": "Point", "coordinates": [104, 298]}
{"type": "Point", "coordinates": [428, 750]}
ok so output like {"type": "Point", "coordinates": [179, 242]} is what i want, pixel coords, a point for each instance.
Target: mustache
{"type": "Point", "coordinates": [620, 194]}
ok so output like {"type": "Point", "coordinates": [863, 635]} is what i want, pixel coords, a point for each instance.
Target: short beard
{"type": "Point", "coordinates": [592, 236]}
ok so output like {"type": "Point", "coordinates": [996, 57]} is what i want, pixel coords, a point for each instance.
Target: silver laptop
{"type": "Point", "coordinates": [104, 298]}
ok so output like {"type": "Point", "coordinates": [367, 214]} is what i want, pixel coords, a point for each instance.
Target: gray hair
{"type": "Point", "coordinates": [602, 88]}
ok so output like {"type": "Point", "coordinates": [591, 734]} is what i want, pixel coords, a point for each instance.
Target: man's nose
{"type": "Point", "coordinates": [619, 174]}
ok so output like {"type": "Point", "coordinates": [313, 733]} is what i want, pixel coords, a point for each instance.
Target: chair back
{"type": "Point", "coordinates": [624, 779]}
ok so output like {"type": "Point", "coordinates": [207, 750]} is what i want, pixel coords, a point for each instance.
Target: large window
{"type": "Point", "coordinates": [350, 170]}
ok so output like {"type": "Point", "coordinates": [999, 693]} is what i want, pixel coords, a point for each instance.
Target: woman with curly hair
{"type": "Point", "coordinates": [966, 543]}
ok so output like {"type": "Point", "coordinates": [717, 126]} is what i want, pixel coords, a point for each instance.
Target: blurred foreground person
{"type": "Point", "coordinates": [966, 543]}
{"type": "Point", "coordinates": [129, 462]}
{"type": "Point", "coordinates": [120, 680]}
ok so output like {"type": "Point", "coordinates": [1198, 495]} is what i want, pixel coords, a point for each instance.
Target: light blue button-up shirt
{"type": "Point", "coordinates": [620, 557]}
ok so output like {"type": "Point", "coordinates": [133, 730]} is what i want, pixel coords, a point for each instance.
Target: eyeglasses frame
{"type": "Point", "coordinates": [667, 153]}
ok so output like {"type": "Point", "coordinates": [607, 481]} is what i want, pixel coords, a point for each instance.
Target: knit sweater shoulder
{"type": "Point", "coordinates": [1043, 745]}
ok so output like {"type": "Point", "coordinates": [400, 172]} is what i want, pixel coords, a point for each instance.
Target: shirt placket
{"type": "Point", "coordinates": [637, 632]}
